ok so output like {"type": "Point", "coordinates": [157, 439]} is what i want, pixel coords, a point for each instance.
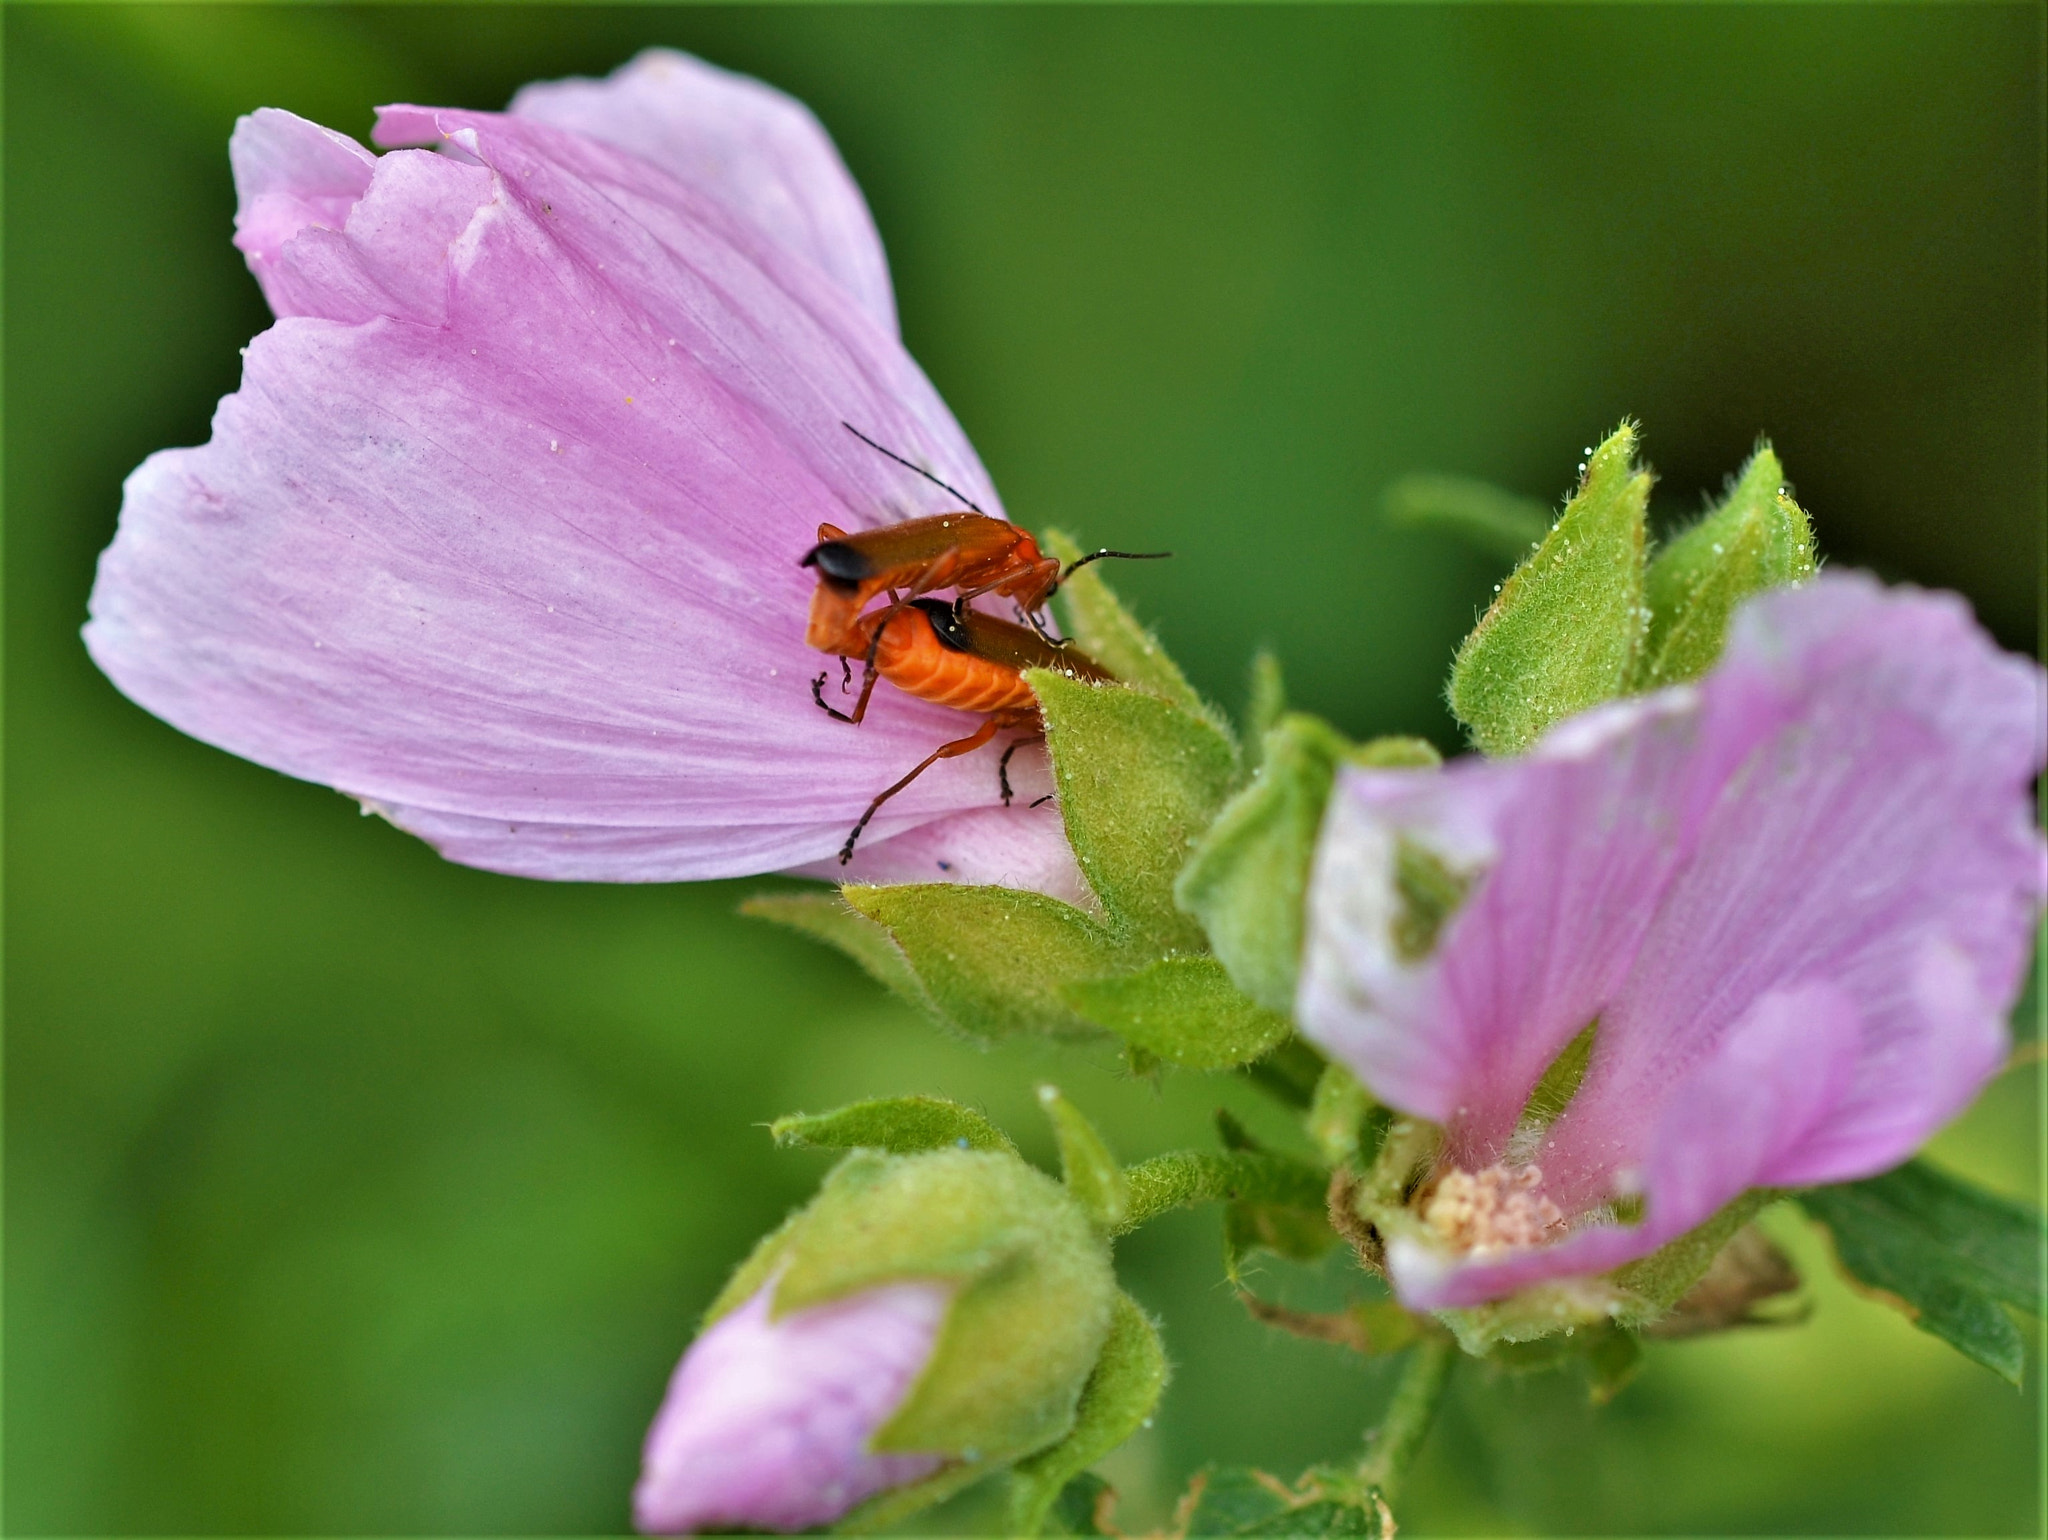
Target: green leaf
{"type": "Point", "coordinates": [1481, 514]}
{"type": "Point", "coordinates": [1236, 1500]}
{"type": "Point", "coordinates": [1944, 1252]}
{"type": "Point", "coordinates": [1757, 538]}
{"type": "Point", "coordinates": [1092, 1174]}
{"type": "Point", "coordinates": [1566, 629]}
{"type": "Point", "coordinates": [1110, 635]}
{"type": "Point", "coordinates": [826, 917]}
{"type": "Point", "coordinates": [898, 1124]}
{"type": "Point", "coordinates": [1139, 779]}
{"type": "Point", "coordinates": [1118, 1400]}
{"type": "Point", "coordinates": [1248, 874]}
{"type": "Point", "coordinates": [992, 960]}
{"type": "Point", "coordinates": [1184, 1011]}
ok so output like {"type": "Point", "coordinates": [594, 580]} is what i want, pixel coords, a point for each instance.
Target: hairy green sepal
{"type": "Point", "coordinates": [827, 917]}
{"type": "Point", "coordinates": [1568, 625]}
{"type": "Point", "coordinates": [1950, 1255]}
{"type": "Point", "coordinates": [1118, 1400]}
{"type": "Point", "coordinates": [1757, 538]}
{"type": "Point", "coordinates": [1248, 874]}
{"type": "Point", "coordinates": [1139, 780]}
{"type": "Point", "coordinates": [1183, 1011]}
{"type": "Point", "coordinates": [1093, 1177]}
{"type": "Point", "coordinates": [990, 961]}
{"type": "Point", "coordinates": [900, 1125]}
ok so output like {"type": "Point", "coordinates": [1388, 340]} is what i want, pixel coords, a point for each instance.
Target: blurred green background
{"type": "Point", "coordinates": [348, 1191]}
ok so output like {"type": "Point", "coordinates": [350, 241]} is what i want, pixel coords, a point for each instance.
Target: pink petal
{"type": "Point", "coordinates": [1461, 1037]}
{"type": "Point", "coordinates": [501, 531]}
{"type": "Point", "coordinates": [1838, 817]}
{"type": "Point", "coordinates": [757, 151]}
{"type": "Point", "coordinates": [767, 1422]}
{"type": "Point", "coordinates": [290, 174]}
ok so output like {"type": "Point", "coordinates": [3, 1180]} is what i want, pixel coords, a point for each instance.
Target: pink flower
{"type": "Point", "coordinates": [768, 1423]}
{"type": "Point", "coordinates": [1797, 900]}
{"type": "Point", "coordinates": [500, 534]}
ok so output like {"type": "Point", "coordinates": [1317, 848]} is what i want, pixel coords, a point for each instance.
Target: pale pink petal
{"type": "Point", "coordinates": [768, 1422]}
{"type": "Point", "coordinates": [515, 557]}
{"type": "Point", "coordinates": [1878, 835]}
{"type": "Point", "coordinates": [1573, 847]}
{"type": "Point", "coordinates": [290, 174]}
{"type": "Point", "coordinates": [761, 153]}
{"type": "Point", "coordinates": [1837, 817]}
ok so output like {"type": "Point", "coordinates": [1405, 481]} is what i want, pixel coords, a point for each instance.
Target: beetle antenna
{"type": "Point", "coordinates": [1080, 562]}
{"type": "Point", "coordinates": [928, 476]}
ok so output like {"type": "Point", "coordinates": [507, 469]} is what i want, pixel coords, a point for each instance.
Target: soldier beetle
{"type": "Point", "coordinates": [968, 551]}
{"type": "Point", "coordinates": [940, 650]}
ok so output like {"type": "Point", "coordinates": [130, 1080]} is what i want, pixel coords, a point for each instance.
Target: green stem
{"type": "Point", "coordinates": [1391, 1447]}
{"type": "Point", "coordinates": [1174, 1181]}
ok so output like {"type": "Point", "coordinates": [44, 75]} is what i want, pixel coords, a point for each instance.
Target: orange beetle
{"type": "Point", "coordinates": [952, 657]}
{"type": "Point", "coordinates": [968, 551]}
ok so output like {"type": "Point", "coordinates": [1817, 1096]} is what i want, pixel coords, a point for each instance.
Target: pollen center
{"type": "Point", "coordinates": [1492, 1210]}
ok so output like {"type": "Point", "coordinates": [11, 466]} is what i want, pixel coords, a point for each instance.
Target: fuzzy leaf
{"type": "Point", "coordinates": [1757, 538]}
{"type": "Point", "coordinates": [1093, 1177]}
{"type": "Point", "coordinates": [1566, 629]}
{"type": "Point", "coordinates": [1110, 635]}
{"type": "Point", "coordinates": [1119, 1399]}
{"type": "Point", "coordinates": [1248, 874]}
{"type": "Point", "coordinates": [991, 960]}
{"type": "Point", "coordinates": [1946, 1253]}
{"type": "Point", "coordinates": [1183, 1011]}
{"type": "Point", "coordinates": [1139, 779]}
{"type": "Point", "coordinates": [898, 1124]}
{"type": "Point", "coordinates": [1235, 1500]}
{"type": "Point", "coordinates": [826, 917]}
{"type": "Point", "coordinates": [1481, 514]}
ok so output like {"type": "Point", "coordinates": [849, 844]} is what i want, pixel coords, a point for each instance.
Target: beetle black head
{"type": "Point", "coordinates": [947, 625]}
{"type": "Point", "coordinates": [839, 561]}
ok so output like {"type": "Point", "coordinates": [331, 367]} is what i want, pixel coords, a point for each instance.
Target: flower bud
{"type": "Point", "coordinates": [927, 1319]}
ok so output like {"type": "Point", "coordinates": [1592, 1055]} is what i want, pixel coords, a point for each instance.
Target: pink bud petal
{"type": "Point", "coordinates": [768, 1423]}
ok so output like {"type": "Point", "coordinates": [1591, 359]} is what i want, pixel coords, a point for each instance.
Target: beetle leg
{"type": "Point", "coordinates": [953, 750]}
{"type": "Point", "coordinates": [1003, 765]}
{"type": "Point", "coordinates": [818, 695]}
{"type": "Point", "coordinates": [845, 676]}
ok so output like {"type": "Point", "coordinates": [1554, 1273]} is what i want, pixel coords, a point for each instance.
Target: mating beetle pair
{"type": "Point", "coordinates": [940, 650]}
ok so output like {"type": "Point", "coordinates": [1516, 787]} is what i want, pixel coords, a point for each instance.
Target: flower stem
{"type": "Point", "coordinates": [1391, 1447]}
